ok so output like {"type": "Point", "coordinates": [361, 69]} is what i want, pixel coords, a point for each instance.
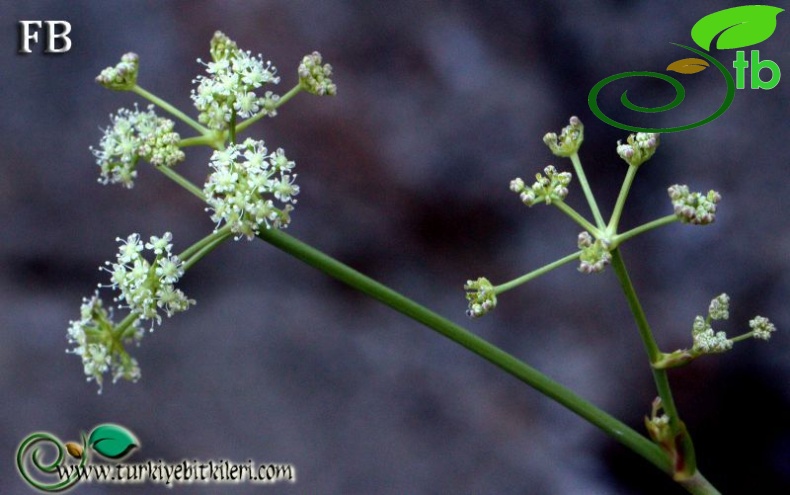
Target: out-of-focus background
{"type": "Point", "coordinates": [404, 176]}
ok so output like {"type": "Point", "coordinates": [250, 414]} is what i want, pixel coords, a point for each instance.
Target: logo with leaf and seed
{"type": "Point", "coordinates": [733, 28]}
{"type": "Point", "coordinates": [109, 441]}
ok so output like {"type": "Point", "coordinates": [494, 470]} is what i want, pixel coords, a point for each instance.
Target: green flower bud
{"type": "Point", "coordinates": [639, 148]}
{"type": "Point", "coordinates": [569, 141]}
{"type": "Point", "coordinates": [122, 77]}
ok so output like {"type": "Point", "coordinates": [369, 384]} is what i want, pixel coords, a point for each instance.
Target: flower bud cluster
{"type": "Point", "coordinates": [230, 88]}
{"type": "Point", "coordinates": [595, 253]}
{"type": "Point", "coordinates": [709, 341]}
{"type": "Point", "coordinates": [481, 296]}
{"type": "Point", "coordinates": [314, 77]}
{"type": "Point", "coordinates": [762, 328]}
{"type": "Point", "coordinates": [245, 181]}
{"type": "Point", "coordinates": [135, 135]}
{"type": "Point", "coordinates": [639, 148]}
{"type": "Point", "coordinates": [552, 187]}
{"type": "Point", "coordinates": [122, 77]}
{"type": "Point", "coordinates": [694, 208]}
{"type": "Point", "coordinates": [706, 341]}
{"type": "Point", "coordinates": [569, 141]}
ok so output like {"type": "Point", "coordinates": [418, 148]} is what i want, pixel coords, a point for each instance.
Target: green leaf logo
{"type": "Point", "coordinates": [738, 27]}
{"type": "Point", "coordinates": [112, 441]}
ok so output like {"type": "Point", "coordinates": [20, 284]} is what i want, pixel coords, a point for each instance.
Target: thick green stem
{"type": "Point", "coordinates": [653, 352]}
{"type": "Point", "coordinates": [170, 108]}
{"type": "Point", "coordinates": [682, 447]}
{"type": "Point", "coordinates": [536, 273]}
{"type": "Point", "coordinates": [612, 426]}
{"type": "Point", "coordinates": [577, 166]}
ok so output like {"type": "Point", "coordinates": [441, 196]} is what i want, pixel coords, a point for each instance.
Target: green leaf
{"type": "Point", "coordinates": [739, 27]}
{"type": "Point", "coordinates": [112, 441]}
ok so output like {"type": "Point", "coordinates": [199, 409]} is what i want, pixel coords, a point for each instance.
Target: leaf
{"type": "Point", "coordinates": [112, 441]}
{"type": "Point", "coordinates": [738, 27]}
{"type": "Point", "coordinates": [688, 65]}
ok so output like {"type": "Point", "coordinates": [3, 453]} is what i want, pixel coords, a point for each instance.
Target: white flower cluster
{"type": "Point", "coordinates": [245, 179]}
{"type": "Point", "coordinates": [639, 148]}
{"type": "Point", "coordinates": [762, 328]}
{"type": "Point", "coordinates": [144, 289]}
{"type": "Point", "coordinates": [706, 340]}
{"type": "Point", "coordinates": [229, 89]}
{"type": "Point", "coordinates": [147, 287]}
{"type": "Point", "coordinates": [99, 347]}
{"type": "Point", "coordinates": [135, 135]}
{"type": "Point", "coordinates": [314, 77]}
{"type": "Point", "coordinates": [122, 77]}
{"type": "Point", "coordinates": [694, 208]}
{"type": "Point", "coordinates": [552, 187]}
{"type": "Point", "coordinates": [481, 296]}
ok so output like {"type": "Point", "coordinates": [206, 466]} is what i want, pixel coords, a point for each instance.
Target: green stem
{"type": "Point", "coordinates": [170, 108]}
{"type": "Point", "coordinates": [198, 141]}
{"type": "Point", "coordinates": [577, 166]}
{"type": "Point", "coordinates": [283, 99]}
{"type": "Point", "coordinates": [698, 485]}
{"type": "Point", "coordinates": [196, 251]}
{"type": "Point", "coordinates": [232, 127]}
{"type": "Point", "coordinates": [618, 207]}
{"type": "Point", "coordinates": [576, 217]}
{"type": "Point", "coordinates": [126, 324]}
{"type": "Point", "coordinates": [536, 273]}
{"type": "Point", "coordinates": [682, 447]}
{"type": "Point", "coordinates": [612, 426]}
{"type": "Point", "coordinates": [659, 222]}
{"type": "Point", "coordinates": [653, 352]}
{"type": "Point", "coordinates": [182, 181]}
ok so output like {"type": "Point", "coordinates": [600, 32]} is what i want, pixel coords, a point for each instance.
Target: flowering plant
{"type": "Point", "coordinates": [250, 192]}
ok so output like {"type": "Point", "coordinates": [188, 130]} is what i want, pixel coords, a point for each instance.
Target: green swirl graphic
{"type": "Point", "coordinates": [680, 94]}
{"type": "Point", "coordinates": [51, 468]}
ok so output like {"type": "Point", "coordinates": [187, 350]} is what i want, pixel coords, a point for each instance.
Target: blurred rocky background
{"type": "Point", "coordinates": [404, 176]}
